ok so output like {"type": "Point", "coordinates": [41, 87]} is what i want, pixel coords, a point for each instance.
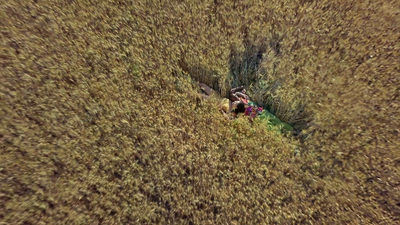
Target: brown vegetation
{"type": "Point", "coordinates": [101, 121]}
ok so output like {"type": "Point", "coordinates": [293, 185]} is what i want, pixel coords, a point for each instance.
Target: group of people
{"type": "Point", "coordinates": [239, 102]}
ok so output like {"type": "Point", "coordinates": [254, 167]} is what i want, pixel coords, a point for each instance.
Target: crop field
{"type": "Point", "coordinates": [101, 120]}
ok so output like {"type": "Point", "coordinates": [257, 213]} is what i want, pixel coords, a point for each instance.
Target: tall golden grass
{"type": "Point", "coordinates": [101, 121]}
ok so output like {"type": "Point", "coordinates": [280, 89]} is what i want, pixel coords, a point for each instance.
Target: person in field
{"type": "Point", "coordinates": [236, 96]}
{"type": "Point", "coordinates": [238, 101]}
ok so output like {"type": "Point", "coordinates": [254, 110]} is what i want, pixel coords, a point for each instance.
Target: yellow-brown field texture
{"type": "Point", "coordinates": [101, 121]}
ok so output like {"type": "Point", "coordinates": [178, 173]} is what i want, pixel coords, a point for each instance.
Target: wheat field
{"type": "Point", "coordinates": [101, 121]}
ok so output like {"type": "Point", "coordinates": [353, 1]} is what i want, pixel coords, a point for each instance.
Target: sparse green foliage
{"type": "Point", "coordinates": [101, 121]}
